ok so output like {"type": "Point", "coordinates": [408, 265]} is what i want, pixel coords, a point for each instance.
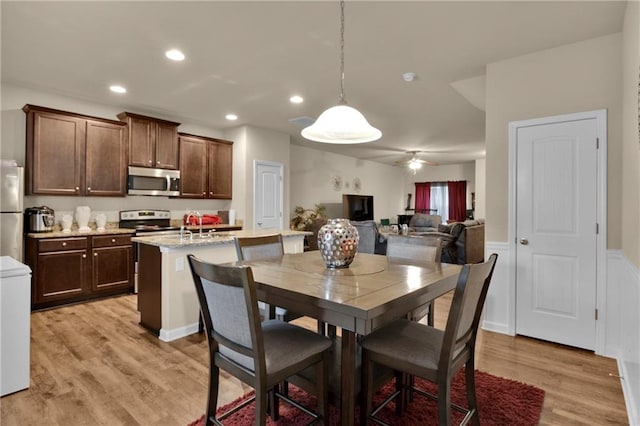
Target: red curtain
{"type": "Point", "coordinates": [457, 200]}
{"type": "Point", "coordinates": [423, 196]}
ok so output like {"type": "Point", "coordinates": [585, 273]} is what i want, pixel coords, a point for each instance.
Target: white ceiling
{"type": "Point", "coordinates": [250, 57]}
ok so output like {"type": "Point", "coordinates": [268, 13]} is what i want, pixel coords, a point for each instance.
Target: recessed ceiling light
{"type": "Point", "coordinates": [296, 99]}
{"type": "Point", "coordinates": [231, 117]}
{"type": "Point", "coordinates": [174, 55]}
{"type": "Point", "coordinates": [117, 89]}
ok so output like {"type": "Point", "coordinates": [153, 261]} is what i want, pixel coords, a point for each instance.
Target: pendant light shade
{"type": "Point", "coordinates": [341, 124]}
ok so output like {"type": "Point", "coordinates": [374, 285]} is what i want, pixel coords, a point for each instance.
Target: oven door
{"type": "Point", "coordinates": [144, 181]}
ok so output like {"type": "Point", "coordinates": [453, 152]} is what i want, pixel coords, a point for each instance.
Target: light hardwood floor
{"type": "Point", "coordinates": [91, 364]}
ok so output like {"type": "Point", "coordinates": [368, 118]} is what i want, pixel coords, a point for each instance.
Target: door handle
{"type": "Point", "coordinates": [524, 241]}
{"type": "Point", "coordinates": [259, 223]}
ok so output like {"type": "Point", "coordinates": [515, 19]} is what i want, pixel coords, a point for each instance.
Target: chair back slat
{"type": "Point", "coordinates": [414, 248]}
{"type": "Point", "coordinates": [259, 248]}
{"type": "Point", "coordinates": [466, 308]}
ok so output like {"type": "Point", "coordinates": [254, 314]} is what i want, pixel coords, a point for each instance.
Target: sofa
{"type": "Point", "coordinates": [370, 240]}
{"type": "Point", "coordinates": [462, 242]}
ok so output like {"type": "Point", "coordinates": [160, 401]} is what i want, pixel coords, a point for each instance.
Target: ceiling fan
{"type": "Point", "coordinates": [414, 163]}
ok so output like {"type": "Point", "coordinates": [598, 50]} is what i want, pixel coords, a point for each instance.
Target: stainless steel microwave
{"type": "Point", "coordinates": [145, 181]}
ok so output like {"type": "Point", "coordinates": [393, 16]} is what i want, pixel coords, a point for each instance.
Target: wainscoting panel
{"type": "Point", "coordinates": [499, 309]}
{"type": "Point", "coordinates": [623, 327]}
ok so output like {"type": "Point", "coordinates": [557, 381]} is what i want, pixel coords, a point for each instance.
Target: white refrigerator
{"type": "Point", "coordinates": [11, 209]}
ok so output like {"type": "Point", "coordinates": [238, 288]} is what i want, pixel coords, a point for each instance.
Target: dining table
{"type": "Point", "coordinates": [372, 291]}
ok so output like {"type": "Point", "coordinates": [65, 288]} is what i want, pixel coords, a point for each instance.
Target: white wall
{"type": "Point", "coordinates": [13, 148]}
{"type": "Point", "coordinates": [441, 173]}
{"type": "Point", "coordinates": [264, 145]}
{"type": "Point", "coordinates": [624, 288]}
{"type": "Point", "coordinates": [578, 77]}
{"type": "Point", "coordinates": [311, 182]}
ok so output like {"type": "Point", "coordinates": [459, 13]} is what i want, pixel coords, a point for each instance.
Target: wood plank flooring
{"type": "Point", "coordinates": [92, 364]}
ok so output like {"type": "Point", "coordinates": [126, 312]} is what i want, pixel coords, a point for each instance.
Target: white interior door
{"type": "Point", "coordinates": [268, 190]}
{"type": "Point", "coordinates": [556, 232]}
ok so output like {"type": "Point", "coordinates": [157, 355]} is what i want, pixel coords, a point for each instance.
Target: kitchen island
{"type": "Point", "coordinates": [167, 298]}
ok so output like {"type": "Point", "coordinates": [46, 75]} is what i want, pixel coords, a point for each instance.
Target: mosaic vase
{"type": "Point", "coordinates": [338, 243]}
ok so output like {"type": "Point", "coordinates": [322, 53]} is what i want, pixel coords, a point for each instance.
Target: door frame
{"type": "Point", "coordinates": [601, 215]}
{"type": "Point", "coordinates": [257, 163]}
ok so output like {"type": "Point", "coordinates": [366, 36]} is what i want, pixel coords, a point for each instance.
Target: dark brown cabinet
{"type": "Point", "coordinates": [152, 142]}
{"type": "Point", "coordinates": [73, 154]}
{"type": "Point", "coordinates": [206, 167]}
{"type": "Point", "coordinates": [66, 270]}
{"type": "Point", "coordinates": [112, 266]}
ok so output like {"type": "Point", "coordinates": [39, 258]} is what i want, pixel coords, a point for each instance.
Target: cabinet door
{"type": "Point", "coordinates": [60, 275]}
{"type": "Point", "coordinates": [141, 141]}
{"type": "Point", "coordinates": [112, 268]}
{"type": "Point", "coordinates": [106, 159]}
{"type": "Point", "coordinates": [166, 146]}
{"type": "Point", "coordinates": [220, 170]}
{"type": "Point", "coordinates": [55, 154]}
{"type": "Point", "coordinates": [193, 167]}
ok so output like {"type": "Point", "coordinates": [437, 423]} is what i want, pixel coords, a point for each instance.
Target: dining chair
{"type": "Point", "coordinates": [435, 355]}
{"type": "Point", "coordinates": [263, 248]}
{"type": "Point", "coordinates": [260, 354]}
{"type": "Point", "coordinates": [415, 249]}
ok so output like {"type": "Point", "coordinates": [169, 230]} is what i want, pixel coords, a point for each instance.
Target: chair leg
{"type": "Point", "coordinates": [212, 401]}
{"type": "Point", "coordinates": [444, 403]}
{"type": "Point", "coordinates": [322, 388]}
{"type": "Point", "coordinates": [469, 372]}
{"type": "Point", "coordinates": [366, 393]}
{"type": "Point", "coordinates": [431, 314]}
{"type": "Point", "coordinates": [273, 403]}
{"type": "Point", "coordinates": [261, 406]}
{"type": "Point", "coordinates": [401, 388]}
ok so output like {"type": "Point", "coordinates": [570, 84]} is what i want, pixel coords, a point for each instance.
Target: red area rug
{"type": "Point", "coordinates": [500, 402]}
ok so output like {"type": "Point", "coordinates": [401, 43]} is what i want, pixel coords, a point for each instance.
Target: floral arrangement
{"type": "Point", "coordinates": [304, 218]}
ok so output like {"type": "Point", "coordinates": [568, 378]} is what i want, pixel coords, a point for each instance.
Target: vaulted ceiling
{"type": "Point", "coordinates": [250, 57]}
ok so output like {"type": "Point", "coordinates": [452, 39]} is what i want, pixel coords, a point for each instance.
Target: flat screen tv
{"type": "Point", "coordinates": [357, 207]}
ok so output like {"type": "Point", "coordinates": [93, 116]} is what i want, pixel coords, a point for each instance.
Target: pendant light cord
{"type": "Point", "coordinates": [342, 100]}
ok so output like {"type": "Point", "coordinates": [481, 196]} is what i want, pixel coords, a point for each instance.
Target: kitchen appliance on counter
{"type": "Point", "coordinates": [39, 219]}
{"type": "Point", "coordinates": [146, 181]}
{"type": "Point", "coordinates": [11, 215]}
{"type": "Point", "coordinates": [146, 223]}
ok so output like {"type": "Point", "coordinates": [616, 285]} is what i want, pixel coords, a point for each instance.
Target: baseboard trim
{"type": "Point", "coordinates": [496, 327]}
{"type": "Point", "coordinates": [627, 382]}
{"type": "Point", "coordinates": [177, 333]}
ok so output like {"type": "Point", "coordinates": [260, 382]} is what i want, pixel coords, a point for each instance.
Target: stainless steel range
{"type": "Point", "coordinates": [146, 223]}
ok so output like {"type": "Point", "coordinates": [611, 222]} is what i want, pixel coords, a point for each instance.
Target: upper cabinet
{"type": "Point", "coordinates": [74, 154]}
{"type": "Point", "coordinates": [206, 167]}
{"type": "Point", "coordinates": [152, 142]}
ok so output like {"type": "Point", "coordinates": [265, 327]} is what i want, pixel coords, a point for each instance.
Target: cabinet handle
{"type": "Point", "coordinates": [95, 254]}
{"type": "Point", "coordinates": [113, 240]}
{"type": "Point", "coordinates": [64, 244]}
{"type": "Point", "coordinates": [204, 194]}
{"type": "Point", "coordinates": [77, 188]}
{"type": "Point", "coordinates": [89, 189]}
{"type": "Point", "coordinates": [149, 161]}
{"type": "Point", "coordinates": [84, 256]}
{"type": "Point", "coordinates": [210, 194]}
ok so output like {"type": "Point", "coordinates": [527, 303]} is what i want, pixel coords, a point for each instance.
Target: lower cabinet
{"type": "Point", "coordinates": [72, 269]}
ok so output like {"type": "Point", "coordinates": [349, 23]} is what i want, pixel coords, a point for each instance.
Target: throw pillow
{"type": "Point", "coordinates": [444, 228]}
{"type": "Point", "coordinates": [456, 229]}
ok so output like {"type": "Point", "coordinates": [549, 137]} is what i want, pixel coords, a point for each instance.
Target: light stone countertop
{"type": "Point", "coordinates": [76, 233]}
{"type": "Point", "coordinates": [174, 241]}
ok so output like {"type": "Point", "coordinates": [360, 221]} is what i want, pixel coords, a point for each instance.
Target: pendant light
{"type": "Point", "coordinates": [341, 124]}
